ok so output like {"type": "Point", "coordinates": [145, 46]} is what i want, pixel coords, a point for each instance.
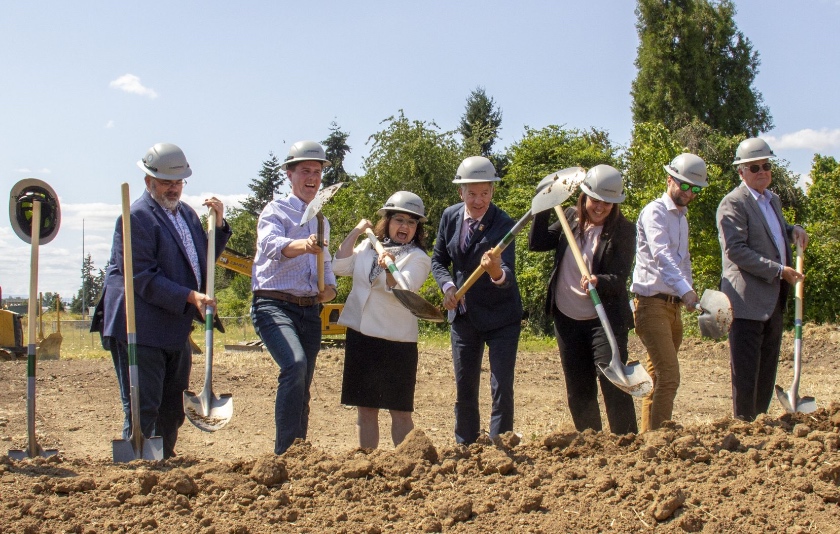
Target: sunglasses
{"type": "Point", "coordinates": [754, 168]}
{"type": "Point", "coordinates": [685, 186]}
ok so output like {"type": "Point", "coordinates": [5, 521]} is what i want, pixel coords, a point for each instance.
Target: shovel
{"type": "Point", "coordinates": [631, 378]}
{"type": "Point", "coordinates": [417, 305]}
{"type": "Point", "coordinates": [790, 400]}
{"type": "Point", "coordinates": [716, 314]}
{"type": "Point", "coordinates": [137, 446]}
{"type": "Point", "coordinates": [314, 210]}
{"type": "Point", "coordinates": [33, 450]}
{"type": "Point", "coordinates": [206, 411]}
{"type": "Point", "coordinates": [551, 191]}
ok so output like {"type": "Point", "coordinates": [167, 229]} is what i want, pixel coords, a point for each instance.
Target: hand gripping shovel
{"type": "Point", "coordinates": [551, 191]}
{"type": "Point", "coordinates": [417, 305]}
{"type": "Point", "coordinates": [790, 400]}
{"type": "Point", "coordinates": [314, 210]}
{"type": "Point", "coordinates": [206, 411]}
{"type": "Point", "coordinates": [137, 446]}
{"type": "Point", "coordinates": [31, 199]}
{"type": "Point", "coordinates": [631, 378]}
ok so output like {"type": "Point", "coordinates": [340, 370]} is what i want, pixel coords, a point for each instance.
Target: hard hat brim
{"type": "Point", "coordinates": [472, 181]}
{"type": "Point", "coordinates": [326, 162]}
{"type": "Point", "coordinates": [161, 176]}
{"type": "Point", "coordinates": [682, 178]}
{"type": "Point", "coordinates": [382, 211]}
{"type": "Point", "coordinates": [612, 200]}
{"type": "Point", "coordinates": [750, 160]}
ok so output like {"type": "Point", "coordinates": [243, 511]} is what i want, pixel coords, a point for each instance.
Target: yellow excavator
{"type": "Point", "coordinates": [11, 336]}
{"type": "Point", "coordinates": [242, 264]}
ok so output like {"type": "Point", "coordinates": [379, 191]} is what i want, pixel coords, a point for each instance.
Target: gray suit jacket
{"type": "Point", "coordinates": [750, 258]}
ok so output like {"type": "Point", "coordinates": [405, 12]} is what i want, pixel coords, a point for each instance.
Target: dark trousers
{"type": "Point", "coordinates": [163, 377]}
{"type": "Point", "coordinates": [584, 344]}
{"type": "Point", "coordinates": [754, 357]}
{"type": "Point", "coordinates": [467, 352]}
{"type": "Point", "coordinates": [292, 335]}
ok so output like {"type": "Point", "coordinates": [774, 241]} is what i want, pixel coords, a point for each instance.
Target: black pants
{"type": "Point", "coordinates": [582, 345]}
{"type": "Point", "coordinates": [754, 357]}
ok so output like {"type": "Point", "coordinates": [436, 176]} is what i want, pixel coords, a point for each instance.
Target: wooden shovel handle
{"type": "Point", "coordinates": [128, 263]}
{"type": "Point", "coordinates": [392, 267]}
{"type": "Point", "coordinates": [320, 256]}
{"type": "Point", "coordinates": [799, 289]}
{"type": "Point", "coordinates": [573, 246]}
{"type": "Point", "coordinates": [210, 282]}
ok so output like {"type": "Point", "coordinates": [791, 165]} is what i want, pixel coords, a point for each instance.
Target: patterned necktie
{"type": "Point", "coordinates": [471, 224]}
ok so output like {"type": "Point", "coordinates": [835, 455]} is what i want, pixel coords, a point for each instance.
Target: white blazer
{"type": "Point", "coordinates": [372, 308]}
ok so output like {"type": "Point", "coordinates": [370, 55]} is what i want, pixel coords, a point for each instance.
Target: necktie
{"type": "Point", "coordinates": [471, 224]}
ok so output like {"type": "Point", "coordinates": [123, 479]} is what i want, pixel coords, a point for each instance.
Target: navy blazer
{"type": "Point", "coordinates": [489, 306]}
{"type": "Point", "coordinates": [163, 277]}
{"type": "Point", "coordinates": [611, 262]}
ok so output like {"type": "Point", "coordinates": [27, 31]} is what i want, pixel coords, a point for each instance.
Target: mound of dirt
{"type": "Point", "coordinates": [704, 473]}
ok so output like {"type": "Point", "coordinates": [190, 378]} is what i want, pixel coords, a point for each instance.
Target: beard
{"type": "Point", "coordinates": [169, 204]}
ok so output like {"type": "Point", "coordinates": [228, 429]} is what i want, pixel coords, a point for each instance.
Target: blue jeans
{"type": "Point", "coordinates": [467, 352]}
{"type": "Point", "coordinates": [163, 377]}
{"type": "Point", "coordinates": [292, 335]}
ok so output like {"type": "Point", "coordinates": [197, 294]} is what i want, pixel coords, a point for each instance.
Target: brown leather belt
{"type": "Point", "coordinates": [286, 297]}
{"type": "Point", "coordinates": [670, 299]}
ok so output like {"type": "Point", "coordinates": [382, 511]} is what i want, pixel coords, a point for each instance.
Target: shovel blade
{"type": "Point", "coordinates": [632, 378]}
{"type": "Point", "coordinates": [794, 403]}
{"type": "Point", "coordinates": [214, 416]}
{"type": "Point", "coordinates": [19, 454]}
{"type": "Point", "coordinates": [417, 305]}
{"type": "Point", "coordinates": [321, 198]}
{"type": "Point", "coordinates": [555, 188]}
{"type": "Point", "coordinates": [151, 449]}
{"type": "Point", "coordinates": [782, 395]}
{"type": "Point", "coordinates": [716, 318]}
{"type": "Point", "coordinates": [806, 405]}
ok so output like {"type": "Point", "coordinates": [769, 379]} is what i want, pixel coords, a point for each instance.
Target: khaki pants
{"type": "Point", "coordinates": [659, 326]}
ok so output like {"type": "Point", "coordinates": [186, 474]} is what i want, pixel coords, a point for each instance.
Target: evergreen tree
{"type": "Point", "coordinates": [336, 148]}
{"type": "Point", "coordinates": [265, 187]}
{"type": "Point", "coordinates": [92, 282]}
{"type": "Point", "coordinates": [693, 62]}
{"type": "Point", "coordinates": [480, 122]}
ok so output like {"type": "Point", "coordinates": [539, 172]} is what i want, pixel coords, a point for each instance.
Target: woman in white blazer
{"type": "Point", "coordinates": [380, 359]}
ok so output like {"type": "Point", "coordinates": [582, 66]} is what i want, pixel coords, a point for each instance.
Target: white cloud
{"type": "Point", "coordinates": [131, 84]}
{"type": "Point", "coordinates": [27, 170]}
{"type": "Point", "coordinates": [814, 140]}
{"type": "Point", "coordinates": [109, 124]}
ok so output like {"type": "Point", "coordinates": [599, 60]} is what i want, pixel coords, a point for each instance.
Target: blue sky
{"type": "Point", "coordinates": [88, 86]}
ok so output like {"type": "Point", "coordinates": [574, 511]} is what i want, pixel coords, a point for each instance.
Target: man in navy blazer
{"type": "Point", "coordinates": [169, 248]}
{"type": "Point", "coordinates": [490, 312]}
{"type": "Point", "coordinates": [757, 275]}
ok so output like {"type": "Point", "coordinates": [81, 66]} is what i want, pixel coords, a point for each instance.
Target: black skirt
{"type": "Point", "coordinates": [378, 373]}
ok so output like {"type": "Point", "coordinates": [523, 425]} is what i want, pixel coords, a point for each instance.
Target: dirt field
{"type": "Point", "coordinates": [705, 473]}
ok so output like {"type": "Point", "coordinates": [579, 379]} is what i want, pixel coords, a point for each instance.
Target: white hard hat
{"type": "Point", "coordinates": [165, 161]}
{"type": "Point", "coordinates": [604, 183]}
{"type": "Point", "coordinates": [688, 168]}
{"type": "Point", "coordinates": [405, 202]}
{"type": "Point", "coordinates": [475, 169]}
{"type": "Point", "coordinates": [752, 149]}
{"type": "Point", "coordinates": [306, 151]}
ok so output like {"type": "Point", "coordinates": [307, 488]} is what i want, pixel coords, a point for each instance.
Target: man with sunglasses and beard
{"type": "Point", "coordinates": [662, 281]}
{"type": "Point", "coordinates": [757, 275]}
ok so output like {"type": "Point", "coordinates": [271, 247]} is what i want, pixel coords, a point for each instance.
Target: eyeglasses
{"type": "Point", "coordinates": [169, 183]}
{"type": "Point", "coordinates": [755, 167]}
{"type": "Point", "coordinates": [411, 223]}
{"type": "Point", "coordinates": [685, 186]}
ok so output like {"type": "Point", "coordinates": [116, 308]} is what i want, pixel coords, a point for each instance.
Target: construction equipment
{"type": "Point", "coordinates": [35, 216]}
{"type": "Point", "coordinates": [137, 446]}
{"type": "Point", "coordinates": [207, 411]}
{"type": "Point", "coordinates": [50, 347]}
{"type": "Point", "coordinates": [11, 336]}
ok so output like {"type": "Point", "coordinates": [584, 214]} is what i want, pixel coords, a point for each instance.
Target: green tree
{"type": "Point", "coordinates": [480, 123]}
{"type": "Point", "coordinates": [822, 257]}
{"type": "Point", "coordinates": [539, 153]}
{"type": "Point", "coordinates": [92, 282]}
{"type": "Point", "coordinates": [693, 62]}
{"type": "Point", "coordinates": [336, 148]}
{"type": "Point", "coordinates": [264, 188]}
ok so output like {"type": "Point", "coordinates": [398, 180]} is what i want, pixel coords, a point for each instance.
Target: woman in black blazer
{"type": "Point", "coordinates": [607, 241]}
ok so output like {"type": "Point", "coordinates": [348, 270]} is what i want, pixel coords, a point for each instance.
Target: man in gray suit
{"type": "Point", "coordinates": [755, 240]}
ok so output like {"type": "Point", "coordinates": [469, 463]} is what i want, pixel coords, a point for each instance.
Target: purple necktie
{"type": "Point", "coordinates": [471, 224]}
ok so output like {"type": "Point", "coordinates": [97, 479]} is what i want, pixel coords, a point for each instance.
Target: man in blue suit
{"type": "Point", "coordinates": [169, 249]}
{"type": "Point", "coordinates": [490, 312]}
